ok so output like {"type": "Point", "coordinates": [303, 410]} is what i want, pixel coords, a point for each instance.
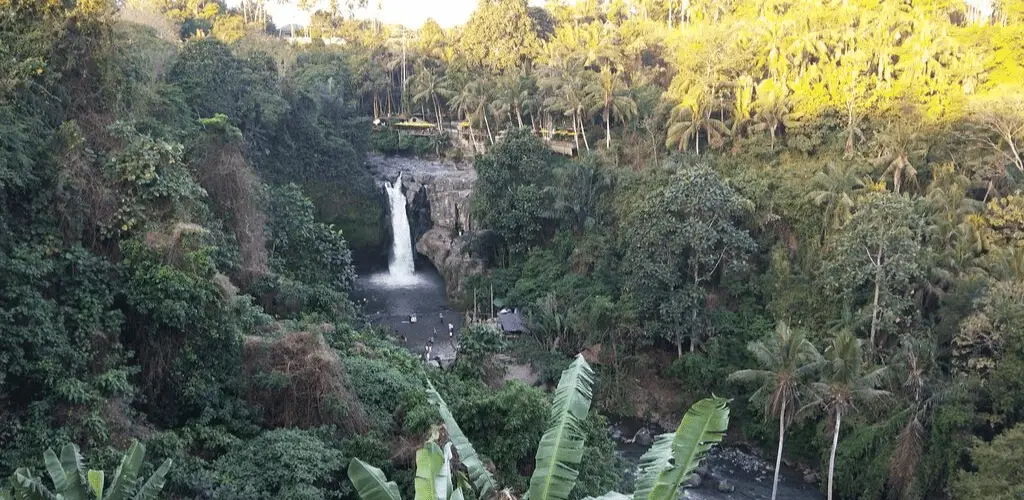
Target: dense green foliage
{"type": "Point", "coordinates": [182, 198]}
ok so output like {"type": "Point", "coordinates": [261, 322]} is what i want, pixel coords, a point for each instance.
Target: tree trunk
{"type": "Point", "coordinates": [874, 305]}
{"type": "Point", "coordinates": [832, 456]}
{"type": "Point", "coordinates": [519, 117]}
{"type": "Point", "coordinates": [583, 132]}
{"type": "Point", "coordinates": [696, 140]}
{"type": "Point", "coordinates": [607, 129]}
{"type": "Point", "coordinates": [575, 133]}
{"type": "Point", "coordinates": [778, 455]}
{"type": "Point", "coordinates": [774, 125]}
{"type": "Point", "coordinates": [488, 125]}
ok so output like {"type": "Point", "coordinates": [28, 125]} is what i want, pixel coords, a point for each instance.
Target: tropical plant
{"type": "Point", "coordinates": [787, 360]}
{"type": "Point", "coordinates": [691, 116]}
{"type": "Point", "coordinates": [72, 481]}
{"type": "Point", "coordinates": [663, 469]}
{"type": "Point", "coordinates": [847, 380]}
{"type": "Point", "coordinates": [610, 97]}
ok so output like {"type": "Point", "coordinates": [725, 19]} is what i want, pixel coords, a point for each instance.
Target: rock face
{"type": "Point", "coordinates": [447, 255]}
{"type": "Point", "coordinates": [437, 197]}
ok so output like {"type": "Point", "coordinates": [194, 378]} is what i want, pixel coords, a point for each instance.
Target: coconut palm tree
{"type": "Point", "coordinates": [772, 107]}
{"type": "Point", "coordinates": [566, 80]}
{"type": "Point", "coordinates": [514, 90]}
{"type": "Point", "coordinates": [846, 381]}
{"type": "Point", "coordinates": [465, 105]}
{"type": "Point", "coordinates": [428, 86]}
{"type": "Point", "coordinates": [834, 189]}
{"type": "Point", "coordinates": [787, 359]}
{"type": "Point", "coordinates": [689, 118]}
{"type": "Point", "coordinates": [611, 98]}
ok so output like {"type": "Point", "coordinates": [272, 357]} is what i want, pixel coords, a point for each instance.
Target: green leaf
{"type": "Point", "coordinates": [28, 487]}
{"type": "Point", "coordinates": [74, 468]}
{"type": "Point", "coordinates": [478, 474]}
{"type": "Point", "coordinates": [155, 483]}
{"type": "Point", "coordinates": [561, 447]}
{"type": "Point", "coordinates": [126, 473]}
{"type": "Point", "coordinates": [674, 457]}
{"type": "Point", "coordinates": [56, 470]}
{"type": "Point", "coordinates": [96, 483]}
{"type": "Point", "coordinates": [457, 495]}
{"type": "Point", "coordinates": [370, 482]}
{"type": "Point", "coordinates": [429, 463]}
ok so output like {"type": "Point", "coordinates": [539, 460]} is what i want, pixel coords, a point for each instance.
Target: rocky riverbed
{"type": "Point", "coordinates": [728, 473]}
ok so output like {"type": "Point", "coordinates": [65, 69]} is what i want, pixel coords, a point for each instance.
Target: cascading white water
{"type": "Point", "coordinates": [401, 265]}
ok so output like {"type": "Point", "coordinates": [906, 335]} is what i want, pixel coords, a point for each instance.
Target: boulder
{"type": "Point", "coordinates": [703, 470]}
{"type": "Point", "coordinates": [643, 437]}
{"type": "Point", "coordinates": [446, 254]}
{"type": "Point", "coordinates": [811, 478]}
{"type": "Point", "coordinates": [725, 486]}
{"type": "Point", "coordinates": [694, 481]}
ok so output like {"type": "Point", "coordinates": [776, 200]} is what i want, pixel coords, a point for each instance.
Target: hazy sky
{"type": "Point", "coordinates": [411, 13]}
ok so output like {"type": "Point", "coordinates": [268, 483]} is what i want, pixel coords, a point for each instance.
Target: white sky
{"type": "Point", "coordinates": [410, 13]}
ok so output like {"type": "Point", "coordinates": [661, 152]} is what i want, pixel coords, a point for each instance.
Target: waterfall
{"type": "Point", "coordinates": [401, 264]}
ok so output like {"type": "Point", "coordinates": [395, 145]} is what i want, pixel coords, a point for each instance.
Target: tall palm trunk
{"type": "Point", "coordinates": [583, 132]}
{"type": "Point", "coordinates": [488, 125]}
{"type": "Point", "coordinates": [778, 455]}
{"type": "Point", "coordinates": [575, 133]}
{"type": "Point", "coordinates": [832, 456]}
{"type": "Point", "coordinates": [607, 128]}
{"type": "Point", "coordinates": [519, 116]}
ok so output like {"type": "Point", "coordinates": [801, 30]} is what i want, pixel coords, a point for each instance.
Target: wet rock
{"type": "Point", "coordinates": [725, 486]}
{"type": "Point", "coordinates": [694, 481]}
{"type": "Point", "coordinates": [703, 470]}
{"type": "Point", "coordinates": [447, 256]}
{"type": "Point", "coordinates": [616, 435]}
{"type": "Point", "coordinates": [643, 437]}
{"type": "Point", "coordinates": [810, 478]}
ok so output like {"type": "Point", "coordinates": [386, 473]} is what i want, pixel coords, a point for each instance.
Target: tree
{"type": "Point", "coordinates": [772, 108]}
{"type": "Point", "coordinates": [71, 480]}
{"type": "Point", "coordinates": [500, 35]}
{"type": "Point", "coordinates": [610, 97]}
{"type": "Point", "coordinates": [428, 86]}
{"type": "Point", "coordinates": [880, 247]}
{"type": "Point", "coordinates": [787, 360]}
{"type": "Point", "coordinates": [997, 466]}
{"type": "Point", "coordinates": [679, 240]}
{"type": "Point", "coordinates": [691, 116]}
{"type": "Point", "coordinates": [566, 81]}
{"type": "Point", "coordinates": [846, 381]}
{"type": "Point", "coordinates": [835, 188]}
{"type": "Point", "coordinates": [1003, 116]}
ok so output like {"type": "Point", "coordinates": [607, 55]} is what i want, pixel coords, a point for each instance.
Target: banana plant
{"type": "Point", "coordinates": [71, 481]}
{"type": "Point", "coordinates": [671, 460]}
{"type": "Point", "coordinates": [433, 477]}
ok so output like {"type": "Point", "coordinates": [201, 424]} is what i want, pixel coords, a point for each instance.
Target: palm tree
{"type": "Point", "coordinates": [514, 90]}
{"type": "Point", "coordinates": [900, 143]}
{"type": "Point", "coordinates": [742, 108]}
{"type": "Point", "coordinates": [847, 381]}
{"type": "Point", "coordinates": [429, 87]}
{"type": "Point", "coordinates": [833, 189]}
{"type": "Point", "coordinates": [611, 98]}
{"type": "Point", "coordinates": [566, 81]}
{"type": "Point", "coordinates": [689, 118]}
{"type": "Point", "coordinates": [786, 359]}
{"type": "Point", "coordinates": [465, 104]}
{"type": "Point", "coordinates": [772, 107]}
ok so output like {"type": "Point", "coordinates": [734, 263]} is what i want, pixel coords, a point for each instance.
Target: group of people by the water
{"type": "Point", "coordinates": [428, 348]}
